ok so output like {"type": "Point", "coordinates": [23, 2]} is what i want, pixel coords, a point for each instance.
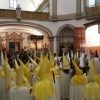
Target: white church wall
{"type": "Point", "coordinates": [82, 5]}
{"type": "Point", "coordinates": [54, 26]}
{"type": "Point", "coordinates": [66, 7]}
{"type": "Point", "coordinates": [4, 4]}
{"type": "Point", "coordinates": [26, 5]}
{"type": "Point", "coordinates": [50, 7]}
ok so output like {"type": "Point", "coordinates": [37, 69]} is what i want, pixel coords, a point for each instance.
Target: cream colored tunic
{"type": "Point", "coordinates": [3, 95]}
{"type": "Point", "coordinates": [21, 93]}
{"type": "Point", "coordinates": [76, 91]}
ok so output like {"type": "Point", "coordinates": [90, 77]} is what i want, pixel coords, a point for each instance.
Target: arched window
{"type": "Point", "coordinates": [12, 3]}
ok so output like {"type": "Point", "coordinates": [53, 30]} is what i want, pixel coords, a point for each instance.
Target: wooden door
{"type": "Point", "coordinates": [79, 39]}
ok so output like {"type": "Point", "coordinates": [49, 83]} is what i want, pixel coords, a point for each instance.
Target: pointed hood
{"type": "Point", "coordinates": [75, 56]}
{"type": "Point", "coordinates": [97, 77]}
{"type": "Point", "coordinates": [34, 63]}
{"type": "Point", "coordinates": [92, 90]}
{"type": "Point", "coordinates": [25, 69]}
{"type": "Point", "coordinates": [91, 75]}
{"type": "Point", "coordinates": [51, 56]}
{"type": "Point", "coordinates": [51, 60]}
{"type": "Point", "coordinates": [6, 59]}
{"type": "Point", "coordinates": [2, 59]}
{"type": "Point", "coordinates": [19, 76]}
{"type": "Point", "coordinates": [8, 75]}
{"type": "Point", "coordinates": [55, 71]}
{"type": "Point", "coordinates": [65, 63]}
{"type": "Point", "coordinates": [78, 79]}
{"type": "Point", "coordinates": [42, 71]}
{"type": "Point", "coordinates": [38, 58]}
{"type": "Point", "coordinates": [49, 65]}
{"type": "Point", "coordinates": [78, 70]}
{"type": "Point", "coordinates": [41, 59]}
{"type": "Point", "coordinates": [27, 63]}
{"type": "Point", "coordinates": [16, 65]}
{"type": "Point", "coordinates": [94, 65]}
{"type": "Point", "coordinates": [52, 66]}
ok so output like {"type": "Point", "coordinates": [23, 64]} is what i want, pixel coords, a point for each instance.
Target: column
{"type": "Point", "coordinates": [78, 8]}
{"type": "Point", "coordinates": [51, 40]}
{"type": "Point", "coordinates": [85, 6]}
{"type": "Point", "coordinates": [48, 6]}
{"type": "Point", "coordinates": [57, 43]}
{"type": "Point", "coordinates": [54, 10]}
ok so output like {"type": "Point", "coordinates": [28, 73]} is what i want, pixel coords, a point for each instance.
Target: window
{"type": "Point", "coordinates": [13, 3]}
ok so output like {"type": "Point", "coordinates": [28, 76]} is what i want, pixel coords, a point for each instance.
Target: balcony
{"type": "Point", "coordinates": [93, 12]}
{"type": "Point", "coordinates": [7, 13]}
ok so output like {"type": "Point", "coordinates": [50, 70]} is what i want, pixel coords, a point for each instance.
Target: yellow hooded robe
{"type": "Point", "coordinates": [92, 90]}
{"type": "Point", "coordinates": [43, 88]}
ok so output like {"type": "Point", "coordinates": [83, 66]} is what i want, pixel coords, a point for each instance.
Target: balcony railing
{"type": "Point", "coordinates": [35, 15]}
{"type": "Point", "coordinates": [93, 9]}
{"type": "Point", "coordinates": [7, 13]}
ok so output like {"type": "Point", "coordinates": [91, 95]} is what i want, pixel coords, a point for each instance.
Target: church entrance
{"type": "Point", "coordinates": [66, 39]}
{"type": "Point", "coordinates": [65, 45]}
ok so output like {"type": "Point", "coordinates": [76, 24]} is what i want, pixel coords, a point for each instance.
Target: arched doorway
{"type": "Point", "coordinates": [26, 29]}
{"type": "Point", "coordinates": [64, 37]}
